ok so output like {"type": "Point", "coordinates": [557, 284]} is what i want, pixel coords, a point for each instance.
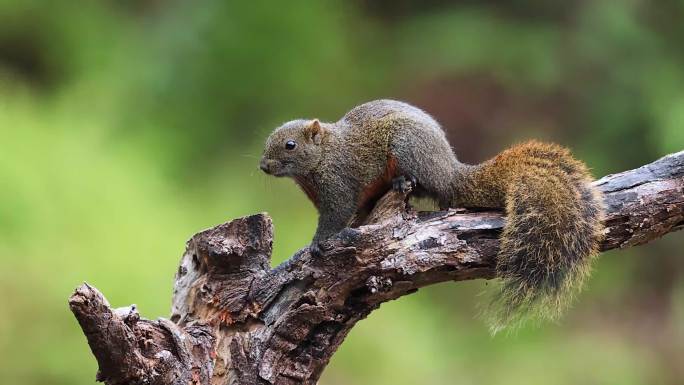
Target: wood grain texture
{"type": "Point", "coordinates": [235, 320]}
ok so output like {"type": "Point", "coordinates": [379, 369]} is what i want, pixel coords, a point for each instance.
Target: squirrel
{"type": "Point", "coordinates": [553, 214]}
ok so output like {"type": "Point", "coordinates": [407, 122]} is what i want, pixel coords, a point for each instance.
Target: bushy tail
{"type": "Point", "coordinates": [551, 234]}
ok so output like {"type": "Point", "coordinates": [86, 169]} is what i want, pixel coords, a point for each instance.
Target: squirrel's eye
{"type": "Point", "coordinates": [290, 145]}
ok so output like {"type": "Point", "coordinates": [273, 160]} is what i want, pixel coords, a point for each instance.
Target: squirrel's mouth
{"type": "Point", "coordinates": [272, 167]}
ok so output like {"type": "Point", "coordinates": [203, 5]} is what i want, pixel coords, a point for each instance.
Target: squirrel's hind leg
{"type": "Point", "coordinates": [427, 157]}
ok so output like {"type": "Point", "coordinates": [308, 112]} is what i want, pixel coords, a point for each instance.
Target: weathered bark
{"type": "Point", "coordinates": [237, 321]}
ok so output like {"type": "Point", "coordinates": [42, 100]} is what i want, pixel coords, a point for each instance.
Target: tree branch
{"type": "Point", "coordinates": [236, 321]}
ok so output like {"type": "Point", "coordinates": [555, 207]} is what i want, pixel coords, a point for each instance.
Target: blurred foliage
{"type": "Point", "coordinates": [126, 126]}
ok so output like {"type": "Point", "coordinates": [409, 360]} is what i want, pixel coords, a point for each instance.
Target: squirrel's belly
{"type": "Point", "coordinates": [377, 188]}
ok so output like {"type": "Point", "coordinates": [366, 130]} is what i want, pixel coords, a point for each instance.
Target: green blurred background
{"type": "Point", "coordinates": [126, 126]}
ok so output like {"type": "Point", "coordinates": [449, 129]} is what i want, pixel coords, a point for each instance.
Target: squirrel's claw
{"type": "Point", "coordinates": [404, 184]}
{"type": "Point", "coordinates": [317, 249]}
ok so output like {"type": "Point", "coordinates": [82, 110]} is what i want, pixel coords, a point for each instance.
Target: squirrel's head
{"type": "Point", "coordinates": [294, 148]}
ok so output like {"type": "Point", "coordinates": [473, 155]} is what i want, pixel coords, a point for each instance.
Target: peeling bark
{"type": "Point", "coordinates": [237, 321]}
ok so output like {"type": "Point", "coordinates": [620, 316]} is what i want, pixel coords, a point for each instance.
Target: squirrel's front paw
{"type": "Point", "coordinates": [319, 248]}
{"type": "Point", "coordinates": [404, 183]}
{"type": "Point", "coordinates": [315, 249]}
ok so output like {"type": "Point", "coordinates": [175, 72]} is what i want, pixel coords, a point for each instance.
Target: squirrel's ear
{"type": "Point", "coordinates": [314, 131]}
